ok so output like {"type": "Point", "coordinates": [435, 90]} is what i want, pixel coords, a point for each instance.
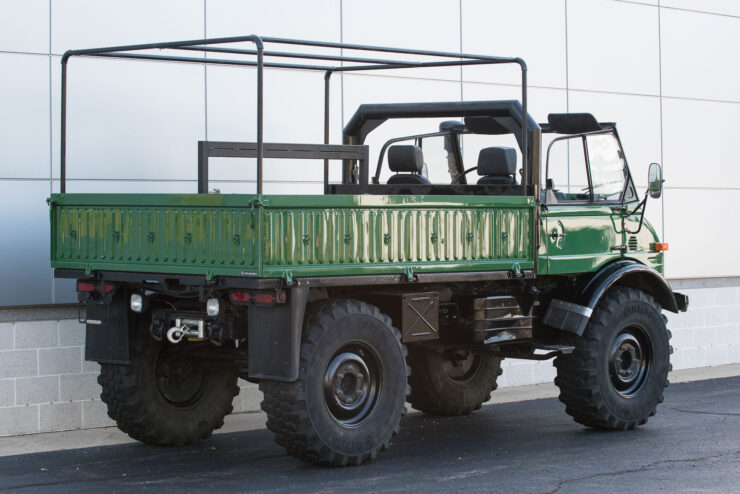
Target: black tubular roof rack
{"type": "Point", "coordinates": [261, 58]}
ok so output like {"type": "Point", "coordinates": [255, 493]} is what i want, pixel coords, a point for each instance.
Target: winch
{"type": "Point", "coordinates": [186, 328]}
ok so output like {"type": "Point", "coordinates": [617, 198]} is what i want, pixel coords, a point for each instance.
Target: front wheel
{"type": "Point", "coordinates": [349, 397]}
{"type": "Point", "coordinates": [616, 376]}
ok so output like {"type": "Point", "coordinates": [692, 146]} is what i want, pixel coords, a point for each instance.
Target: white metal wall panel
{"type": "Point", "coordinates": [532, 29]}
{"type": "Point", "coordinates": [78, 24]}
{"type": "Point", "coordinates": [613, 46]}
{"type": "Point", "coordinates": [134, 119]}
{"type": "Point", "coordinates": [24, 116]}
{"type": "Point", "coordinates": [24, 243]}
{"type": "Point", "coordinates": [701, 55]}
{"type": "Point", "coordinates": [24, 26]}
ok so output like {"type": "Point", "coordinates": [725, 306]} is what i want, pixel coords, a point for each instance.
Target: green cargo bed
{"type": "Point", "coordinates": [277, 236]}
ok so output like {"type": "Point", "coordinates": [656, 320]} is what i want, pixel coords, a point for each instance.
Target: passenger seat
{"type": "Point", "coordinates": [407, 162]}
{"type": "Point", "coordinates": [497, 166]}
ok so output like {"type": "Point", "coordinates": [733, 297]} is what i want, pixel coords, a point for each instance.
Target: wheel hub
{"type": "Point", "coordinates": [178, 380]}
{"type": "Point", "coordinates": [351, 382]}
{"type": "Point", "coordinates": [352, 385]}
{"type": "Point", "coordinates": [629, 361]}
{"type": "Point", "coordinates": [461, 365]}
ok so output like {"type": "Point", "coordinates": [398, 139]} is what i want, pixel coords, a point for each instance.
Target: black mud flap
{"type": "Point", "coordinates": [275, 338]}
{"type": "Point", "coordinates": [107, 332]}
{"type": "Point", "coordinates": [567, 316]}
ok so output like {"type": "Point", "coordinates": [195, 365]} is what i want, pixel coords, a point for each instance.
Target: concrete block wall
{"type": "Point", "coordinates": [709, 333]}
{"type": "Point", "coordinates": [45, 385]}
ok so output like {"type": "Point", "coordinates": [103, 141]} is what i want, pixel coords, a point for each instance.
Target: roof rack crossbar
{"type": "Point", "coordinates": [347, 64]}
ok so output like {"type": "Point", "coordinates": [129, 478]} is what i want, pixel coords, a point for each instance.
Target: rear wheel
{"type": "Point", "coordinates": [163, 397]}
{"type": "Point", "coordinates": [453, 381]}
{"type": "Point", "coordinates": [615, 377]}
{"type": "Point", "coordinates": [349, 397]}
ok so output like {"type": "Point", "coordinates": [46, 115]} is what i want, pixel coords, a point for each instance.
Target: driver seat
{"type": "Point", "coordinates": [497, 166]}
{"type": "Point", "coordinates": [407, 162]}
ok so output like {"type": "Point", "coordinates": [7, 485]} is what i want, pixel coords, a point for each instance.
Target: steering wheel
{"type": "Point", "coordinates": [462, 174]}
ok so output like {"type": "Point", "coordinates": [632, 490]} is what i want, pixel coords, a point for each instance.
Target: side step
{"type": "Point", "coordinates": [554, 351]}
{"type": "Point", "coordinates": [527, 353]}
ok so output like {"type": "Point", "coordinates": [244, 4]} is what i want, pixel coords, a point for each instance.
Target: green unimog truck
{"type": "Point", "coordinates": [483, 236]}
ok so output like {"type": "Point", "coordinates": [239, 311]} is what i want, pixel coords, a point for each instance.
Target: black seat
{"type": "Point", "coordinates": [407, 161]}
{"type": "Point", "coordinates": [497, 166]}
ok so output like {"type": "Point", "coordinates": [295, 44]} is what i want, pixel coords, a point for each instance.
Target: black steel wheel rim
{"type": "Point", "coordinates": [630, 361]}
{"type": "Point", "coordinates": [353, 384]}
{"type": "Point", "coordinates": [179, 381]}
{"type": "Point", "coordinates": [461, 365]}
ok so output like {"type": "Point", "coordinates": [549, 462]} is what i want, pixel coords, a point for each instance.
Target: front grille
{"type": "Point", "coordinates": [632, 243]}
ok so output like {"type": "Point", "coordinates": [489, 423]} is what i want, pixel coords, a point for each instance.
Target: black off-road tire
{"type": "Point", "coordinates": [136, 400]}
{"type": "Point", "coordinates": [615, 378]}
{"type": "Point", "coordinates": [437, 391]}
{"type": "Point", "coordinates": [339, 338]}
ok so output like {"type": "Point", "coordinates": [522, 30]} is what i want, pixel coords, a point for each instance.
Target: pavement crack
{"type": "Point", "coordinates": [563, 482]}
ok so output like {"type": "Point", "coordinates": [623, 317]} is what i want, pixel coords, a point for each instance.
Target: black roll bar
{"type": "Point", "coordinates": [346, 64]}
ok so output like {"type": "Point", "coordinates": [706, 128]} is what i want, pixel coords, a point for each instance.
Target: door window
{"type": "Point", "coordinates": [567, 172]}
{"type": "Point", "coordinates": [587, 168]}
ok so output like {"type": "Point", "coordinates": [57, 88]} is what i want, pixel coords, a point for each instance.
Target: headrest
{"type": "Point", "coordinates": [405, 159]}
{"type": "Point", "coordinates": [497, 161]}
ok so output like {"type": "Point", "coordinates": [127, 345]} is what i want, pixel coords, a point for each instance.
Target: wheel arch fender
{"type": "Point", "coordinates": [630, 274]}
{"type": "Point", "coordinates": [573, 316]}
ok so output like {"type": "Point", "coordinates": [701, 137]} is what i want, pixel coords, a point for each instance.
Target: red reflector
{"type": "Point", "coordinates": [281, 297]}
{"type": "Point", "coordinates": [85, 287]}
{"type": "Point", "coordinates": [107, 288]}
{"type": "Point", "coordinates": [240, 296]}
{"type": "Point", "coordinates": [264, 298]}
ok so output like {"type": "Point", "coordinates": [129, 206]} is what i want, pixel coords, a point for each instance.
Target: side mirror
{"type": "Point", "coordinates": [655, 180]}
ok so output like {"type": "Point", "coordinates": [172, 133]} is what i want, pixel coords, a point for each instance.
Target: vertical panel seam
{"type": "Point", "coordinates": [51, 160]}
{"type": "Point", "coordinates": [205, 72]}
{"type": "Point", "coordinates": [341, 63]}
{"type": "Point", "coordinates": [567, 85]}
{"type": "Point", "coordinates": [460, 11]}
{"type": "Point", "coordinates": [660, 105]}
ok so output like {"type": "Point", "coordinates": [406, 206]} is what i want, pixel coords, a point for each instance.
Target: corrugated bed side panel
{"type": "Point", "coordinates": [318, 237]}
{"type": "Point", "coordinates": [171, 236]}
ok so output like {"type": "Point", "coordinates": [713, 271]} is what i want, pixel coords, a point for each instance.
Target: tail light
{"type": "Point", "coordinates": [261, 298]}
{"type": "Point", "coordinates": [90, 287]}
{"type": "Point", "coordinates": [242, 297]}
{"type": "Point", "coordinates": [264, 298]}
{"type": "Point", "coordinates": [85, 286]}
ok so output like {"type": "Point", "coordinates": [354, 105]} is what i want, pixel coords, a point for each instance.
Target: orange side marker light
{"type": "Point", "coordinates": [660, 247]}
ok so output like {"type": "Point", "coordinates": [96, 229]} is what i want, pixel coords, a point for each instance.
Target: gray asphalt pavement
{"type": "Point", "coordinates": [692, 445]}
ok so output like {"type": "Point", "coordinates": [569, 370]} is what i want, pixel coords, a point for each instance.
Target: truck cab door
{"type": "Point", "coordinates": [584, 203]}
